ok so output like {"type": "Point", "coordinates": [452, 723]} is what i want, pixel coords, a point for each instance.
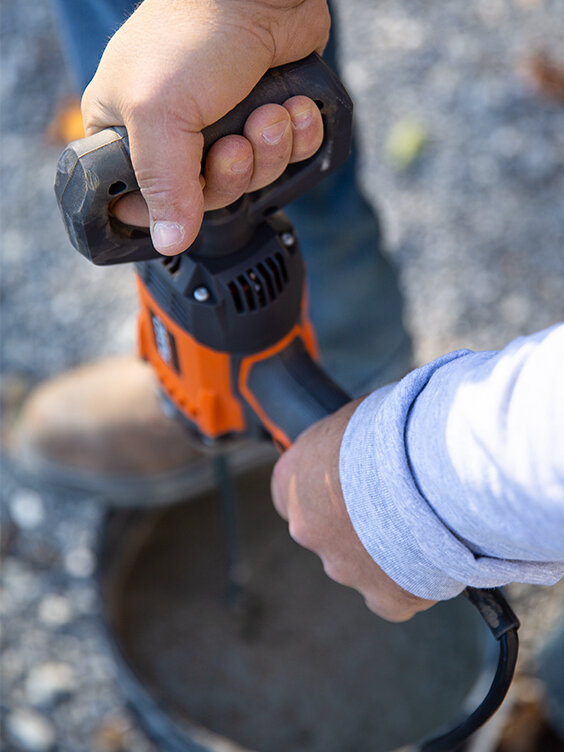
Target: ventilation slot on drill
{"type": "Point", "coordinates": [282, 264]}
{"type": "Point", "coordinates": [237, 300]}
{"type": "Point", "coordinates": [267, 280]}
{"type": "Point", "coordinates": [260, 285]}
{"type": "Point", "coordinates": [247, 286]}
{"type": "Point", "coordinates": [171, 264]}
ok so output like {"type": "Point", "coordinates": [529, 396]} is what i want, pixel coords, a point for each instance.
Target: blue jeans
{"type": "Point", "coordinates": [355, 303]}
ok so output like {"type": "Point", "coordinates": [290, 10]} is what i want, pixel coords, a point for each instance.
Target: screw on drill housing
{"type": "Point", "coordinates": [201, 294]}
{"type": "Point", "coordinates": [288, 239]}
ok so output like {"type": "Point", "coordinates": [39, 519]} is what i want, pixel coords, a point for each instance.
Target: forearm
{"type": "Point", "coordinates": [458, 477]}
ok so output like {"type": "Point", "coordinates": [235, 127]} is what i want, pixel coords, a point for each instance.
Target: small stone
{"type": "Point", "coordinates": [50, 682]}
{"type": "Point", "coordinates": [85, 601]}
{"type": "Point", "coordinates": [26, 509]}
{"type": "Point", "coordinates": [55, 610]}
{"type": "Point", "coordinates": [20, 584]}
{"type": "Point", "coordinates": [11, 666]}
{"type": "Point", "coordinates": [112, 735]}
{"type": "Point", "coordinates": [14, 387]}
{"type": "Point", "coordinates": [8, 536]}
{"type": "Point", "coordinates": [42, 554]}
{"type": "Point", "coordinates": [80, 562]}
{"type": "Point", "coordinates": [30, 730]}
{"type": "Point", "coordinates": [516, 309]}
{"type": "Point", "coordinates": [507, 141]}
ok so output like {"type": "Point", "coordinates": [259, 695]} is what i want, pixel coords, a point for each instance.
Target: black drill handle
{"type": "Point", "coordinates": [94, 171]}
{"type": "Point", "coordinates": [289, 392]}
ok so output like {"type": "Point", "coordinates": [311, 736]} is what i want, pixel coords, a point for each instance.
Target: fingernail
{"type": "Point", "coordinates": [274, 133]}
{"type": "Point", "coordinates": [166, 235]}
{"type": "Point", "coordinates": [301, 120]}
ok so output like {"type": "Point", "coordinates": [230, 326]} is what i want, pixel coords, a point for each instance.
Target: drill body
{"type": "Point", "coordinates": [225, 323]}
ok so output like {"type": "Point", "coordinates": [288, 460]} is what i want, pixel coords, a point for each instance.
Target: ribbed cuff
{"type": "Point", "coordinates": [394, 521]}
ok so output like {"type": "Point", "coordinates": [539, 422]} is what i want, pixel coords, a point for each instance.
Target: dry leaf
{"type": "Point", "coordinates": [548, 76]}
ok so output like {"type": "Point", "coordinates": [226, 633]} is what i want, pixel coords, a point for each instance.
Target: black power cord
{"type": "Point", "coordinates": [503, 624]}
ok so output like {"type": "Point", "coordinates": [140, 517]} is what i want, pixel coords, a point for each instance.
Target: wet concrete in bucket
{"type": "Point", "coordinates": [294, 662]}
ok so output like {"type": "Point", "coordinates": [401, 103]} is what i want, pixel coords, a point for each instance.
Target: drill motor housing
{"type": "Point", "coordinates": [207, 321]}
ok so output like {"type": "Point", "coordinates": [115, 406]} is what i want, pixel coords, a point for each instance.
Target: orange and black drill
{"type": "Point", "coordinates": [225, 323]}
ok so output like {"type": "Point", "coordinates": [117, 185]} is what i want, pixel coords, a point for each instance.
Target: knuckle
{"type": "Point", "coordinates": [215, 199]}
{"type": "Point", "coordinates": [334, 571]}
{"type": "Point", "coordinates": [143, 103]}
{"type": "Point", "coordinates": [400, 615]}
{"type": "Point", "coordinates": [394, 608]}
{"type": "Point", "coordinates": [164, 198]}
{"type": "Point", "coordinates": [154, 189]}
{"type": "Point", "coordinates": [267, 171]}
{"type": "Point", "coordinates": [306, 142]}
{"type": "Point", "coordinates": [94, 114]}
{"type": "Point", "coordinates": [299, 532]}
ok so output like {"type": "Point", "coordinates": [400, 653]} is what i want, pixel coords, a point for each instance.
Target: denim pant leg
{"type": "Point", "coordinates": [85, 28]}
{"type": "Point", "coordinates": [355, 303]}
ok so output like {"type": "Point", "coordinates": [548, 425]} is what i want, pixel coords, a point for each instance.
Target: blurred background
{"type": "Point", "coordinates": [460, 108]}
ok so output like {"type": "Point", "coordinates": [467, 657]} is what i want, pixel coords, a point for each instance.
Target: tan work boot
{"type": "Point", "coordinates": [100, 428]}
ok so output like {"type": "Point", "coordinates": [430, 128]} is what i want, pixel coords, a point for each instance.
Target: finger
{"type": "Point", "coordinates": [131, 209]}
{"type": "Point", "coordinates": [269, 130]}
{"type": "Point", "coordinates": [307, 127]}
{"type": "Point", "coordinates": [229, 164]}
{"type": "Point", "coordinates": [280, 485]}
{"type": "Point", "coordinates": [228, 171]}
{"type": "Point", "coordinates": [394, 607]}
{"type": "Point", "coordinates": [166, 159]}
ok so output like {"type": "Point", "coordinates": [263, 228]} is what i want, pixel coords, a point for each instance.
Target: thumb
{"type": "Point", "coordinates": [167, 162]}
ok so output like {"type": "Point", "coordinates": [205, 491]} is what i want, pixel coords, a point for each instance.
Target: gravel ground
{"type": "Point", "coordinates": [475, 223]}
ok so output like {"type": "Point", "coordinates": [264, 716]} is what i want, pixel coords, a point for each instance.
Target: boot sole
{"type": "Point", "coordinates": [150, 490]}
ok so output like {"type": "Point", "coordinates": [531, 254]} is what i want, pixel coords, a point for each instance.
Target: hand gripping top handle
{"type": "Point", "coordinates": [94, 171]}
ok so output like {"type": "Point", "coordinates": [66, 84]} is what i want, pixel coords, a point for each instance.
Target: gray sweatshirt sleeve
{"type": "Point", "coordinates": [455, 476]}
